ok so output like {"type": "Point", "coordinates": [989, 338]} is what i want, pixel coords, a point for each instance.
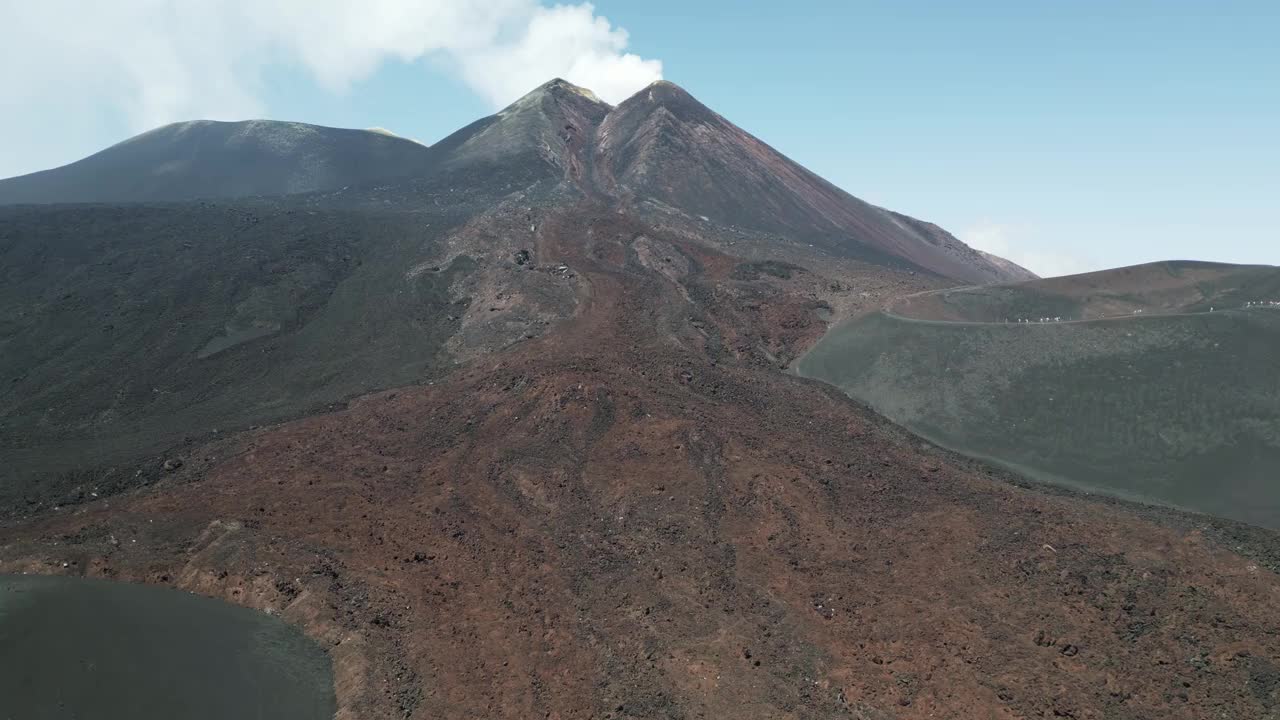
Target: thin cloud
{"type": "Point", "coordinates": [1018, 243]}
{"type": "Point", "coordinates": [144, 63]}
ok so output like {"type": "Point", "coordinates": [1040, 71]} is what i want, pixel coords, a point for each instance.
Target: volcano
{"type": "Point", "coordinates": [512, 435]}
{"type": "Point", "coordinates": [208, 159]}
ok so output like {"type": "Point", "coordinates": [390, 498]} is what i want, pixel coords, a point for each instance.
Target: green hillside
{"type": "Point", "coordinates": [1177, 409]}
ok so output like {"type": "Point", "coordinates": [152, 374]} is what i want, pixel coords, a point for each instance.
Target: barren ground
{"type": "Point", "coordinates": [638, 515]}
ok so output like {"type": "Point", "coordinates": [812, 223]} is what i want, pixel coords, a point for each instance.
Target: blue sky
{"type": "Point", "coordinates": [1067, 136]}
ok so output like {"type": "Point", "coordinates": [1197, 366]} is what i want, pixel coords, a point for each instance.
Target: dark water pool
{"type": "Point", "coordinates": [93, 649]}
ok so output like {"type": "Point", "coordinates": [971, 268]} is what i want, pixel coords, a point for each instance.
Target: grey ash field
{"type": "Point", "coordinates": [505, 427]}
{"type": "Point", "coordinates": [1158, 383]}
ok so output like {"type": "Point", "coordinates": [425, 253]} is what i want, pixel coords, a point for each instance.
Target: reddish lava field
{"type": "Point", "coordinates": [639, 515]}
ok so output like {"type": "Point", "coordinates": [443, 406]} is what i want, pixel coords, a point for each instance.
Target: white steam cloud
{"type": "Point", "coordinates": [157, 61]}
{"type": "Point", "coordinates": [1018, 243]}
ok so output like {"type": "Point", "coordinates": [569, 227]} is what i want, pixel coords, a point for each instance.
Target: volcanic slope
{"type": "Point", "coordinates": [210, 159]}
{"type": "Point", "coordinates": [1156, 382]}
{"type": "Point", "coordinates": [636, 515]}
{"type": "Point", "coordinates": [667, 150]}
{"type": "Point", "coordinates": [605, 500]}
{"type": "Point", "coordinates": [130, 329]}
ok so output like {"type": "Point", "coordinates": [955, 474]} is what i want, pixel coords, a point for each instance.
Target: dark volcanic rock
{"type": "Point", "coordinates": [664, 145]}
{"type": "Point", "coordinates": [554, 122]}
{"type": "Point", "coordinates": [208, 159]}
{"type": "Point", "coordinates": [579, 487]}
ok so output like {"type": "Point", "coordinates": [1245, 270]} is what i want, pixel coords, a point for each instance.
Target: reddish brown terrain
{"type": "Point", "coordinates": [635, 512]}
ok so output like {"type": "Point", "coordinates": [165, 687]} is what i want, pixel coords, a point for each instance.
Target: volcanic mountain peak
{"type": "Point", "coordinates": [660, 102]}
{"type": "Point", "coordinates": [556, 101]}
{"type": "Point", "coordinates": [280, 138]}
{"type": "Point", "coordinates": [555, 88]}
{"type": "Point", "coordinates": [661, 91]}
{"type": "Point", "coordinates": [553, 103]}
{"type": "Point", "coordinates": [208, 158]}
{"type": "Point", "coordinates": [663, 144]}
{"type": "Point", "coordinates": [659, 145]}
{"type": "Point", "coordinates": [545, 123]}
{"type": "Point", "coordinates": [391, 133]}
